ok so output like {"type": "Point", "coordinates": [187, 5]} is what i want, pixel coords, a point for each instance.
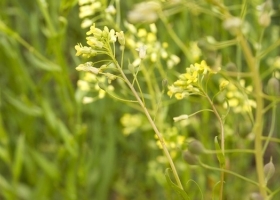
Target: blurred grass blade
{"type": "Point", "coordinates": [181, 193]}
{"type": "Point", "coordinates": [5, 186]}
{"type": "Point", "coordinates": [58, 127]}
{"type": "Point", "coordinates": [70, 143]}
{"type": "Point", "coordinates": [31, 110]}
{"type": "Point", "coordinates": [47, 166]}
{"type": "Point", "coordinates": [4, 155]}
{"type": "Point", "coordinates": [18, 160]}
{"type": "Point", "coordinates": [40, 64]}
{"type": "Point", "coordinates": [3, 133]}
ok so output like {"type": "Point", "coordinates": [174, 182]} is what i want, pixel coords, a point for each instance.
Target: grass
{"type": "Point", "coordinates": [52, 146]}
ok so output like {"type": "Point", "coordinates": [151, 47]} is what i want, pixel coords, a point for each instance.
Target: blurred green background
{"type": "Point", "coordinates": [54, 147]}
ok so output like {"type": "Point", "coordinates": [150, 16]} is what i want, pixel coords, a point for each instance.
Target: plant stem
{"type": "Point", "coordinates": [159, 135]}
{"type": "Point", "coordinates": [258, 124]}
{"type": "Point", "coordinates": [222, 143]}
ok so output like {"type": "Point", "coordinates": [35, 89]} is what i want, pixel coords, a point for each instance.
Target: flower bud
{"type": "Point", "coordinates": [269, 170]}
{"type": "Point", "coordinates": [264, 19]}
{"type": "Point", "coordinates": [121, 38]}
{"type": "Point", "coordinates": [256, 196]}
{"type": "Point", "coordinates": [196, 147]}
{"type": "Point", "coordinates": [164, 83]}
{"type": "Point", "coordinates": [232, 24]}
{"type": "Point", "coordinates": [181, 117]}
{"type": "Point", "coordinates": [190, 158]}
{"type": "Point", "coordinates": [223, 84]}
{"type": "Point", "coordinates": [142, 51]}
{"type": "Point", "coordinates": [110, 76]}
{"type": "Point", "coordinates": [146, 12]}
{"type": "Point", "coordinates": [273, 87]}
{"type": "Point", "coordinates": [88, 67]}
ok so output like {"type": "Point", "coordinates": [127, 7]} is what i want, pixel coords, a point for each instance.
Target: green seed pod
{"type": "Point", "coordinates": [269, 170]}
{"type": "Point", "coordinates": [231, 67]}
{"type": "Point", "coordinates": [273, 86]}
{"type": "Point", "coordinates": [190, 158]}
{"type": "Point", "coordinates": [196, 147]}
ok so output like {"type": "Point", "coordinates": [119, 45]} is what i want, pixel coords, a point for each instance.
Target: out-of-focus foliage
{"type": "Point", "coordinates": [61, 139]}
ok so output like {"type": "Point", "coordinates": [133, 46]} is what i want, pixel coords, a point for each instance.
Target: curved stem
{"type": "Point", "coordinates": [273, 117]}
{"type": "Point", "coordinates": [222, 165]}
{"type": "Point", "coordinates": [159, 135]}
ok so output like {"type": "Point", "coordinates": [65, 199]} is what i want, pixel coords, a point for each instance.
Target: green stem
{"type": "Point", "coordinates": [258, 124]}
{"type": "Point", "coordinates": [273, 117]}
{"type": "Point", "coordinates": [175, 38]}
{"type": "Point", "coordinates": [159, 135]}
{"type": "Point", "coordinates": [229, 172]}
{"type": "Point", "coordinates": [222, 165]}
{"type": "Point", "coordinates": [222, 142]}
{"type": "Point", "coordinates": [230, 151]}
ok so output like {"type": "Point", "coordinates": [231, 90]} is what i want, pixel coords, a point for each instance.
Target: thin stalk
{"type": "Point", "coordinates": [159, 135]}
{"type": "Point", "coordinates": [230, 151]}
{"type": "Point", "coordinates": [229, 172]}
{"type": "Point", "coordinates": [258, 124]}
{"type": "Point", "coordinates": [222, 178]}
{"type": "Point", "coordinates": [175, 37]}
{"type": "Point", "coordinates": [273, 115]}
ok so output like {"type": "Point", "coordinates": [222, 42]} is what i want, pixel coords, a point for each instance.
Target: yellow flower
{"type": "Point", "coordinates": [223, 84]}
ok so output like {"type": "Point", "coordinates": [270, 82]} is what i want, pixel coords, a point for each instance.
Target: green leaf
{"type": "Point", "coordinates": [181, 193]}
{"type": "Point", "coordinates": [220, 155]}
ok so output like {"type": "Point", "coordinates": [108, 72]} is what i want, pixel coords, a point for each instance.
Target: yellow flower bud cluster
{"type": "Point", "coordinates": [237, 96]}
{"type": "Point", "coordinates": [145, 41]}
{"type": "Point", "coordinates": [99, 41]}
{"type": "Point", "coordinates": [89, 9]}
{"type": "Point", "coordinates": [189, 82]}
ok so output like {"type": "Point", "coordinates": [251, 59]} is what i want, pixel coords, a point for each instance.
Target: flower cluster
{"type": "Point", "coordinates": [88, 86]}
{"type": "Point", "coordinates": [144, 12]}
{"type": "Point", "coordinates": [189, 82]}
{"type": "Point", "coordinates": [91, 8]}
{"type": "Point", "coordinates": [99, 41]}
{"type": "Point", "coordinates": [237, 96]}
{"type": "Point", "coordinates": [149, 47]}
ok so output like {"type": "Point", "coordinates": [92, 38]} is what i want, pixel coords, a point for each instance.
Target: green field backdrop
{"type": "Point", "coordinates": [55, 147]}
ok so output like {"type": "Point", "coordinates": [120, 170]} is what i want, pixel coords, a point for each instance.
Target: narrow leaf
{"type": "Point", "coordinates": [18, 160]}
{"type": "Point", "coordinates": [220, 155]}
{"type": "Point", "coordinates": [181, 193]}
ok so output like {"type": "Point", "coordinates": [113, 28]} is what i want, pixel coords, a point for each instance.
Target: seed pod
{"type": "Point", "coordinates": [231, 67]}
{"type": "Point", "coordinates": [196, 147]}
{"type": "Point", "coordinates": [273, 86]}
{"type": "Point", "coordinates": [190, 158]}
{"type": "Point", "coordinates": [269, 170]}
